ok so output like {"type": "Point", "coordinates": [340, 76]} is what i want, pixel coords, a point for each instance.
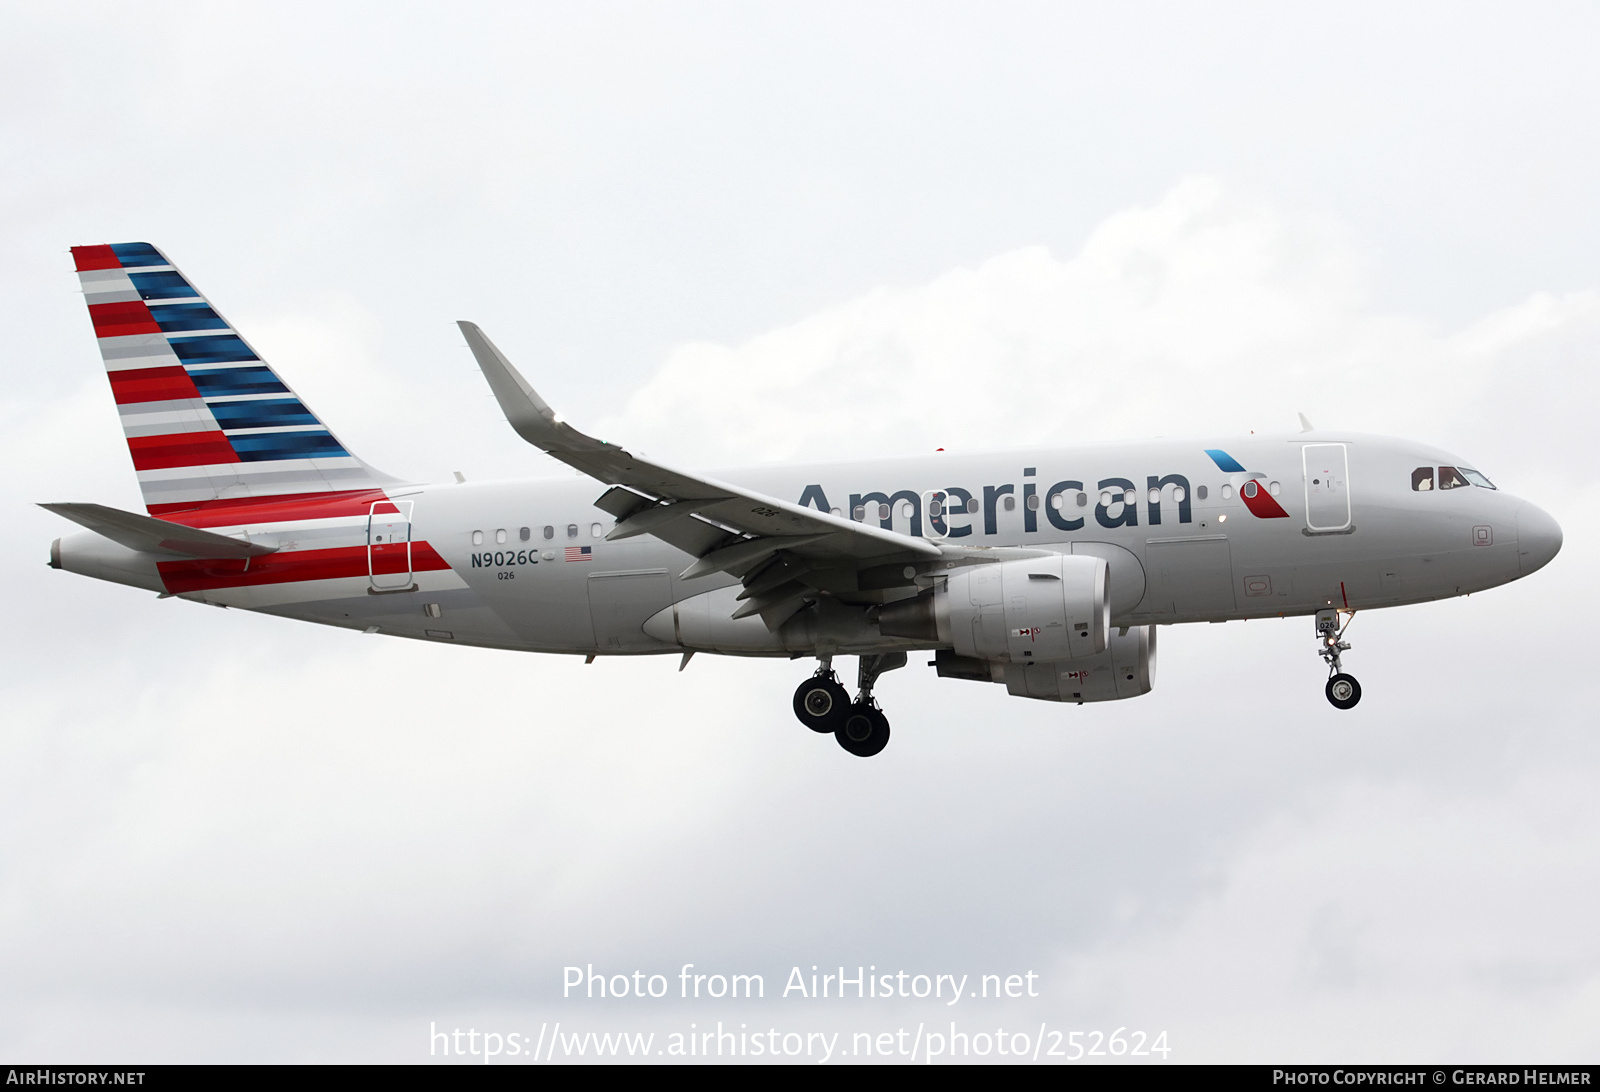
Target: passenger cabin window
{"type": "Point", "coordinates": [500, 536]}
{"type": "Point", "coordinates": [1200, 492]}
{"type": "Point", "coordinates": [572, 530]}
{"type": "Point", "coordinates": [477, 538]}
{"type": "Point", "coordinates": [549, 532]}
{"type": "Point", "coordinates": [1422, 479]}
{"type": "Point", "coordinates": [1450, 478]}
{"type": "Point", "coordinates": [1009, 504]}
{"type": "Point", "coordinates": [525, 534]}
{"type": "Point", "coordinates": [595, 530]}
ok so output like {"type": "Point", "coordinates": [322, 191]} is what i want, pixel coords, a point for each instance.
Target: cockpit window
{"type": "Point", "coordinates": [1475, 478]}
{"type": "Point", "coordinates": [1450, 478]}
{"type": "Point", "coordinates": [1422, 479]}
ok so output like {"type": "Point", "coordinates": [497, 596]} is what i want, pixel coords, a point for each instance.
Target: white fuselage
{"type": "Point", "coordinates": [526, 565]}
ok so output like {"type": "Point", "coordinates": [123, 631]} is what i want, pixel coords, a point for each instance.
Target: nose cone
{"type": "Point", "coordinates": [1538, 538]}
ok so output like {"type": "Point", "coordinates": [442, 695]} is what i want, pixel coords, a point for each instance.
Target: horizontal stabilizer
{"type": "Point", "coordinates": [156, 536]}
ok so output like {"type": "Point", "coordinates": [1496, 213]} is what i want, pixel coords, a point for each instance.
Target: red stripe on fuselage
{"type": "Point", "coordinates": [285, 508]}
{"type": "Point", "coordinates": [95, 257]}
{"type": "Point", "coordinates": [284, 568]}
{"type": "Point", "coordinates": [181, 449]}
{"type": "Point", "coordinates": [122, 319]}
{"type": "Point", "coordinates": [151, 385]}
{"type": "Point", "coordinates": [1263, 505]}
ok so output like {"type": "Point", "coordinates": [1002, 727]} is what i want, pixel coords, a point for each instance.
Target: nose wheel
{"type": "Point", "coordinates": [1342, 690]}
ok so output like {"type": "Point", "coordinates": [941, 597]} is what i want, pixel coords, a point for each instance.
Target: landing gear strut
{"type": "Point", "coordinates": [1342, 690]}
{"type": "Point", "coordinates": [823, 705]}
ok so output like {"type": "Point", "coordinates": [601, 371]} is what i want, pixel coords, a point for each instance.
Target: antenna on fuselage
{"type": "Point", "coordinates": [1306, 426]}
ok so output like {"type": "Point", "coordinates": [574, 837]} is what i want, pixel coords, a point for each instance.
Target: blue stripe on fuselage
{"type": "Point", "coordinates": [1225, 462]}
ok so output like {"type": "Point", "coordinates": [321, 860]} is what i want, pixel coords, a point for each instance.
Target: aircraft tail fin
{"type": "Point", "coordinates": [210, 425]}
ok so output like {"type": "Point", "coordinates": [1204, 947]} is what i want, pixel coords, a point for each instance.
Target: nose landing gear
{"type": "Point", "coordinates": [1342, 690]}
{"type": "Point", "coordinates": [823, 705]}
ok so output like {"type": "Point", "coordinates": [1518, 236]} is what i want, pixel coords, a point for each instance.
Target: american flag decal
{"type": "Point", "coordinates": [580, 553]}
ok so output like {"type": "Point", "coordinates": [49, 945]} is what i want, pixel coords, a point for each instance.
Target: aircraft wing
{"type": "Point", "coordinates": [728, 527]}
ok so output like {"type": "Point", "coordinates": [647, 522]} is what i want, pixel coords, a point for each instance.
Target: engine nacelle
{"type": "Point", "coordinates": [1034, 610]}
{"type": "Point", "coordinates": [1127, 669]}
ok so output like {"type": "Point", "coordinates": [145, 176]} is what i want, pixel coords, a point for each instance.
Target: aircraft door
{"type": "Point", "coordinates": [1327, 487]}
{"type": "Point", "coordinates": [389, 545]}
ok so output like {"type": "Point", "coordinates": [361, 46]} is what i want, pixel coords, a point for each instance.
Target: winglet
{"type": "Point", "coordinates": [533, 418]}
{"type": "Point", "coordinates": [1306, 426]}
{"type": "Point", "coordinates": [529, 414]}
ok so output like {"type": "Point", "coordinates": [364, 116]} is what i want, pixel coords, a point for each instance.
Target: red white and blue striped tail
{"type": "Point", "coordinates": [211, 427]}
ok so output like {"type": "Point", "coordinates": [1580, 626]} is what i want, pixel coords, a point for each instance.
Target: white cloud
{"type": "Point", "coordinates": [1205, 312]}
{"type": "Point", "coordinates": [1386, 922]}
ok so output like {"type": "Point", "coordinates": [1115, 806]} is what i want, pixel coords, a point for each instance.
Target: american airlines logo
{"type": "Point", "coordinates": [955, 511]}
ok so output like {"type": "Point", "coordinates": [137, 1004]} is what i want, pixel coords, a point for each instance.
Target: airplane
{"type": "Point", "coordinates": [1046, 571]}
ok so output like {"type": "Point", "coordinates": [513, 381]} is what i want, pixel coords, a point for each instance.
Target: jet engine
{"type": "Point", "coordinates": [1124, 670]}
{"type": "Point", "coordinates": [1030, 611]}
{"type": "Point", "coordinates": [1041, 626]}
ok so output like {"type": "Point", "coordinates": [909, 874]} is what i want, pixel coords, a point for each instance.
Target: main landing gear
{"type": "Point", "coordinates": [823, 705]}
{"type": "Point", "coordinates": [1343, 691]}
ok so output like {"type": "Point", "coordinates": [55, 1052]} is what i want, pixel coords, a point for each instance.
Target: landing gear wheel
{"type": "Point", "coordinates": [865, 731]}
{"type": "Point", "coordinates": [821, 703]}
{"type": "Point", "coordinates": [1343, 691]}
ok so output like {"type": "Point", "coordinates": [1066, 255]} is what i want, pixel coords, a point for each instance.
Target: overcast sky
{"type": "Point", "coordinates": [730, 233]}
